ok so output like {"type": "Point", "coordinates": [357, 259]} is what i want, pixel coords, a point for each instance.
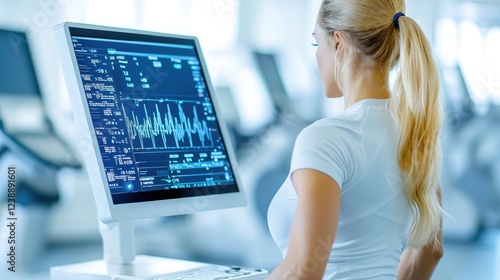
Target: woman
{"type": "Point", "coordinates": [363, 198]}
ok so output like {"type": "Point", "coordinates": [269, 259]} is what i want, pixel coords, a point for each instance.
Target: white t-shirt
{"type": "Point", "coordinates": [359, 151]}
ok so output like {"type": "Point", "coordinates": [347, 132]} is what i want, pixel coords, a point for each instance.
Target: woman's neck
{"type": "Point", "coordinates": [367, 83]}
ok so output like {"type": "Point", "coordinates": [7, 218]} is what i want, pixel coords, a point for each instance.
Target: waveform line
{"type": "Point", "coordinates": [180, 128]}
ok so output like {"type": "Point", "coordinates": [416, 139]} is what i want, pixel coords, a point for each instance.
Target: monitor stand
{"type": "Point", "coordinates": [120, 261]}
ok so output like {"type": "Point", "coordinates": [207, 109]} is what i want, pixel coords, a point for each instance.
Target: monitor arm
{"type": "Point", "coordinates": [118, 242]}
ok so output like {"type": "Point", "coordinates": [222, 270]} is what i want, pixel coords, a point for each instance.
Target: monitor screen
{"type": "Point", "coordinates": [269, 69]}
{"type": "Point", "coordinates": [17, 75]}
{"type": "Point", "coordinates": [152, 114]}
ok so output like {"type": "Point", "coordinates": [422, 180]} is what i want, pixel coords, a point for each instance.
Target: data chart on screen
{"type": "Point", "coordinates": [152, 115]}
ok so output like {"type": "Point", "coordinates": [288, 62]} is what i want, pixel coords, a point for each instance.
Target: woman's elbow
{"type": "Point", "coordinates": [434, 250]}
{"type": "Point", "coordinates": [433, 254]}
{"type": "Point", "coordinates": [438, 253]}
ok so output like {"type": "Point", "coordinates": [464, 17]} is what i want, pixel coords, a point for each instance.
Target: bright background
{"type": "Point", "coordinates": [466, 40]}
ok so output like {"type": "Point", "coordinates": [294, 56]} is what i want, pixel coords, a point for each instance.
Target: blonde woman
{"type": "Point", "coordinates": [362, 200]}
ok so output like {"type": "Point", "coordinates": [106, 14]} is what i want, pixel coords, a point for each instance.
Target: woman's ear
{"type": "Point", "coordinates": [338, 40]}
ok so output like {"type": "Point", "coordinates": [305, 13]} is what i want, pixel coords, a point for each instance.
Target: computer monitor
{"type": "Point", "coordinates": [268, 68]}
{"type": "Point", "coordinates": [20, 99]}
{"type": "Point", "coordinates": [24, 126]}
{"type": "Point", "coordinates": [16, 70]}
{"type": "Point", "coordinates": [144, 102]}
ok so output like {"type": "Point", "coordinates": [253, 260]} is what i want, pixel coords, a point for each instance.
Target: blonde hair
{"type": "Point", "coordinates": [368, 26]}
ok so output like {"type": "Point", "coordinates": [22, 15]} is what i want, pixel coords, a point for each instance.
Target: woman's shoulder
{"type": "Point", "coordinates": [330, 145]}
{"type": "Point", "coordinates": [332, 131]}
{"type": "Point", "coordinates": [338, 125]}
{"type": "Point", "coordinates": [354, 121]}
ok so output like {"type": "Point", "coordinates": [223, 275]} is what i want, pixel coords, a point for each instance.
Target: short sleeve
{"type": "Point", "coordinates": [327, 149]}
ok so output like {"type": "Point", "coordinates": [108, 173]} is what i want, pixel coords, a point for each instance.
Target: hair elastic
{"type": "Point", "coordinates": [396, 18]}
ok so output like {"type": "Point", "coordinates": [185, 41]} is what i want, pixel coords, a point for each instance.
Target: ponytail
{"type": "Point", "coordinates": [415, 104]}
{"type": "Point", "coordinates": [382, 38]}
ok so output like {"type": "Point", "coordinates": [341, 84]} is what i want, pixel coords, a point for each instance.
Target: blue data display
{"type": "Point", "coordinates": [152, 116]}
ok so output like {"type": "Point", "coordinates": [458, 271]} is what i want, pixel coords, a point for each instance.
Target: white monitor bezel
{"type": "Point", "coordinates": [88, 146]}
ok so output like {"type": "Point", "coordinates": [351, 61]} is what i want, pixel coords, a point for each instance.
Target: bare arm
{"type": "Point", "coordinates": [420, 263]}
{"type": "Point", "coordinates": [313, 228]}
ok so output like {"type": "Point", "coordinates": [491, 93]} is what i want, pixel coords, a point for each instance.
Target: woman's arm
{"type": "Point", "coordinates": [420, 263]}
{"type": "Point", "coordinates": [313, 228]}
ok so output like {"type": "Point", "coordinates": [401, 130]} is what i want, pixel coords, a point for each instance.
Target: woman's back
{"type": "Point", "coordinates": [359, 151]}
{"type": "Point", "coordinates": [367, 182]}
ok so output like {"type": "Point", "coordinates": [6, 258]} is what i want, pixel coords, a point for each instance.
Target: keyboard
{"type": "Point", "coordinates": [216, 273]}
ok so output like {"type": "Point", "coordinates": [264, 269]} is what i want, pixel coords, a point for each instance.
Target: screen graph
{"type": "Point", "coordinates": [153, 117]}
{"type": "Point", "coordinates": [154, 124]}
